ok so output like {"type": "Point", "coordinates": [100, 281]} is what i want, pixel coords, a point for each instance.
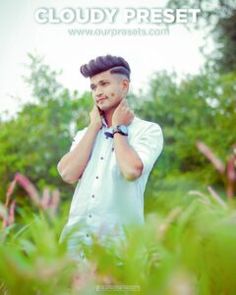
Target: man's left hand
{"type": "Point", "coordinates": [122, 115]}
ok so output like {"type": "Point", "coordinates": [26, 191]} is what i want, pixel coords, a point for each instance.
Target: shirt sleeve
{"type": "Point", "coordinates": [77, 138]}
{"type": "Point", "coordinates": [148, 145]}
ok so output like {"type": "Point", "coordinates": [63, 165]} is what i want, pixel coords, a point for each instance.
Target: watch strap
{"type": "Point", "coordinates": [118, 130]}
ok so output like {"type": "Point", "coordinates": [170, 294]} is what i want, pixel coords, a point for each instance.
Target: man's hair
{"type": "Point", "coordinates": [116, 65]}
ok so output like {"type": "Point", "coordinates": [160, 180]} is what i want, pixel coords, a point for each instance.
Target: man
{"type": "Point", "coordinates": [111, 158]}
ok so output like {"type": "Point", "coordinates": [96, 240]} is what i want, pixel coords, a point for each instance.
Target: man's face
{"type": "Point", "coordinates": [108, 90]}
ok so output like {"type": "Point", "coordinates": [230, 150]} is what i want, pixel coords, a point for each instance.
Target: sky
{"type": "Point", "coordinates": [20, 34]}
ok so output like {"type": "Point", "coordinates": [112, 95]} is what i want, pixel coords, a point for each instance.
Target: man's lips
{"type": "Point", "coordinates": [101, 99]}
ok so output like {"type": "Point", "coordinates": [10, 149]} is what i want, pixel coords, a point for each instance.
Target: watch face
{"type": "Point", "coordinates": [123, 129]}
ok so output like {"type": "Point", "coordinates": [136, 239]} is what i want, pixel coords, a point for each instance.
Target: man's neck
{"type": "Point", "coordinates": [108, 117]}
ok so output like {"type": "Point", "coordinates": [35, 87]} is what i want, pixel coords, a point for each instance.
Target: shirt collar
{"type": "Point", "coordinates": [104, 124]}
{"type": "Point", "coordinates": [109, 130]}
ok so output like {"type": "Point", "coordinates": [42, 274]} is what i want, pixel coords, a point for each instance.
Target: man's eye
{"type": "Point", "coordinates": [104, 83]}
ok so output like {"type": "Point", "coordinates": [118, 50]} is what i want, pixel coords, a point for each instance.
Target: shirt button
{"type": "Point", "coordinates": [93, 196]}
{"type": "Point", "coordinates": [90, 215]}
{"type": "Point", "coordinates": [96, 177]}
{"type": "Point", "coordinates": [87, 235]}
{"type": "Point", "coordinates": [112, 150]}
{"type": "Point", "coordinates": [101, 158]}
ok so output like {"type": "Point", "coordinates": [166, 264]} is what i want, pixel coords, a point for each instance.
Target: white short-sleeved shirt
{"type": "Point", "coordinates": [104, 200]}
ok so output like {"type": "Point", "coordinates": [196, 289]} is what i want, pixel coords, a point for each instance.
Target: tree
{"type": "Point", "coordinates": [200, 107]}
{"type": "Point", "coordinates": [33, 143]}
{"type": "Point", "coordinates": [218, 20]}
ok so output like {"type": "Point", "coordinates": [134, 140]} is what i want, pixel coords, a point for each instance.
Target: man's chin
{"type": "Point", "coordinates": [105, 108]}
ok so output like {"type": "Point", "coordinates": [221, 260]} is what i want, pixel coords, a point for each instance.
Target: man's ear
{"type": "Point", "coordinates": [125, 84]}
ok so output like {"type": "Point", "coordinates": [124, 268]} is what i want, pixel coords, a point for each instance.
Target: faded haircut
{"type": "Point", "coordinates": [116, 65]}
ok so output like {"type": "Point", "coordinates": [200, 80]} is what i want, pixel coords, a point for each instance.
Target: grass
{"type": "Point", "coordinates": [186, 248]}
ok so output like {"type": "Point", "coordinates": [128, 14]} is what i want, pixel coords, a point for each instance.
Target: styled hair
{"type": "Point", "coordinates": [116, 65]}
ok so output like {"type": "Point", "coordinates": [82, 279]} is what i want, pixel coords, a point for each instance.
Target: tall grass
{"type": "Point", "coordinates": [187, 249]}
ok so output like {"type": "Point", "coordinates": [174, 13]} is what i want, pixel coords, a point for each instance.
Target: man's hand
{"type": "Point", "coordinates": [73, 163]}
{"type": "Point", "coordinates": [122, 114]}
{"type": "Point", "coordinates": [95, 118]}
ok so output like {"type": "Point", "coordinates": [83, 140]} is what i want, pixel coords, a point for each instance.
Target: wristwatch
{"type": "Point", "coordinates": [122, 129]}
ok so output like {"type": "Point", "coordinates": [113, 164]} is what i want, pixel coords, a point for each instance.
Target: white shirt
{"type": "Point", "coordinates": [104, 201]}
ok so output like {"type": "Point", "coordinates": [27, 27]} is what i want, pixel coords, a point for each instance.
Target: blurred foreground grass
{"type": "Point", "coordinates": [187, 246]}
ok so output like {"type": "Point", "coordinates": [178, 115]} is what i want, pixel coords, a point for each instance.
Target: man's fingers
{"type": "Point", "coordinates": [123, 102]}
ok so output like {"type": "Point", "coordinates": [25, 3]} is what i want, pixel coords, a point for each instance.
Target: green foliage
{"type": "Point", "coordinates": [31, 257]}
{"type": "Point", "coordinates": [34, 142]}
{"type": "Point", "coordinates": [218, 20]}
{"type": "Point", "coordinates": [200, 107]}
{"type": "Point", "coordinates": [225, 56]}
{"type": "Point", "coordinates": [189, 238]}
{"type": "Point", "coordinates": [187, 246]}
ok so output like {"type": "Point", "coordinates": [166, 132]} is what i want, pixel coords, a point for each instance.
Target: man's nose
{"type": "Point", "coordinates": [98, 92]}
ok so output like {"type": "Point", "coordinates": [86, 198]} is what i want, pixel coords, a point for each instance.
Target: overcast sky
{"type": "Point", "coordinates": [20, 34]}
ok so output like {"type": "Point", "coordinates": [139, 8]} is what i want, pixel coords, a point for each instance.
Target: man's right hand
{"type": "Point", "coordinates": [95, 118]}
{"type": "Point", "coordinates": [73, 164]}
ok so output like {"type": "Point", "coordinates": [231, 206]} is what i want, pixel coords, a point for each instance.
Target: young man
{"type": "Point", "coordinates": [111, 158]}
